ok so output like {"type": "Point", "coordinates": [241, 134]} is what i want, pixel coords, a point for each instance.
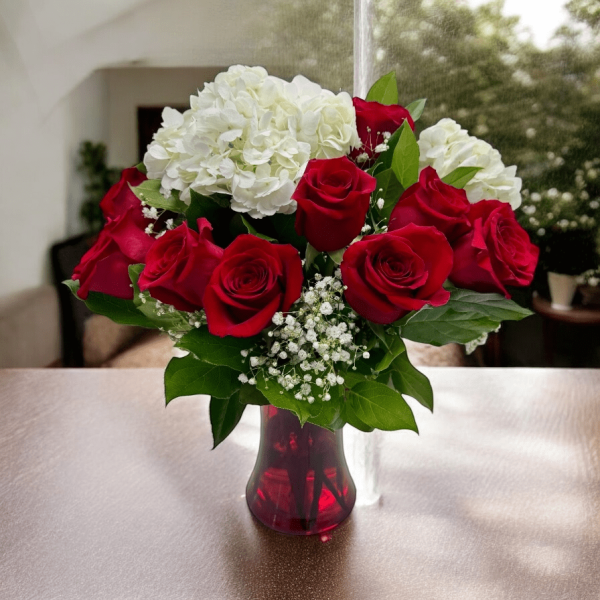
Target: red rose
{"type": "Point", "coordinates": [390, 274]}
{"type": "Point", "coordinates": [431, 202]}
{"type": "Point", "coordinates": [373, 120]}
{"type": "Point", "coordinates": [333, 199]}
{"type": "Point", "coordinates": [104, 267]}
{"type": "Point", "coordinates": [179, 266]}
{"type": "Point", "coordinates": [495, 253]}
{"type": "Point", "coordinates": [254, 280]}
{"type": "Point", "coordinates": [120, 197]}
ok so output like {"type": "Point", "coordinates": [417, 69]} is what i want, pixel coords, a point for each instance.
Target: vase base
{"type": "Point", "coordinates": [560, 306]}
{"type": "Point", "coordinates": [297, 527]}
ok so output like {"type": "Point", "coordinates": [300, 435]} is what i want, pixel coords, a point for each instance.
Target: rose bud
{"type": "Point", "coordinates": [120, 197]}
{"type": "Point", "coordinates": [333, 199]}
{"type": "Point", "coordinates": [431, 202]}
{"type": "Point", "coordinates": [254, 280]}
{"type": "Point", "coordinates": [372, 121]}
{"type": "Point", "coordinates": [122, 242]}
{"type": "Point", "coordinates": [179, 266]}
{"type": "Point", "coordinates": [390, 274]}
{"type": "Point", "coordinates": [495, 253]}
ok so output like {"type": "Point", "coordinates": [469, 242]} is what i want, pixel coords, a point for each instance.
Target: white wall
{"type": "Point", "coordinates": [129, 88]}
{"type": "Point", "coordinates": [41, 189]}
{"type": "Point", "coordinates": [33, 172]}
{"type": "Point", "coordinates": [87, 119]}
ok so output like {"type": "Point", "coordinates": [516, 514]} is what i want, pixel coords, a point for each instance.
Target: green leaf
{"type": "Point", "coordinates": [405, 162]}
{"type": "Point", "coordinates": [461, 176]}
{"type": "Point", "coordinates": [225, 414]}
{"type": "Point", "coordinates": [351, 378]}
{"type": "Point", "coordinates": [330, 413]}
{"type": "Point", "coordinates": [378, 406]}
{"type": "Point", "coordinates": [331, 417]}
{"type": "Point", "coordinates": [367, 366]}
{"type": "Point", "coordinates": [149, 192]}
{"type": "Point", "coordinates": [337, 256]}
{"type": "Point", "coordinates": [189, 376]}
{"type": "Point", "coordinates": [250, 395]}
{"type": "Point", "coordinates": [391, 344]}
{"type": "Point", "coordinates": [394, 348]}
{"type": "Point", "coordinates": [311, 255]}
{"type": "Point", "coordinates": [388, 188]}
{"type": "Point", "coordinates": [134, 274]}
{"type": "Point", "coordinates": [282, 398]}
{"type": "Point", "coordinates": [464, 318]}
{"type": "Point", "coordinates": [411, 382]}
{"type": "Point", "coordinates": [201, 207]}
{"type": "Point", "coordinates": [384, 90]}
{"type": "Point", "coordinates": [253, 231]}
{"type": "Point", "coordinates": [118, 309]}
{"type": "Point", "coordinates": [386, 379]}
{"type": "Point", "coordinates": [416, 108]}
{"type": "Point", "coordinates": [222, 351]}
{"type": "Point", "coordinates": [351, 418]}
{"type": "Point", "coordinates": [73, 285]}
{"type": "Point", "coordinates": [141, 167]}
{"type": "Point", "coordinates": [495, 306]}
{"type": "Point", "coordinates": [285, 226]}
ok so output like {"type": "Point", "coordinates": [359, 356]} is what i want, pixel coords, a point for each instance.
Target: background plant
{"type": "Point", "coordinates": [98, 179]}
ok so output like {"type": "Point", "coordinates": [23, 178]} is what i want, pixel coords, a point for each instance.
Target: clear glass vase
{"type": "Point", "coordinates": [300, 484]}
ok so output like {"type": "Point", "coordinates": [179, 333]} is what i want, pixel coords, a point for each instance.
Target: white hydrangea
{"type": "Point", "coordinates": [249, 135]}
{"type": "Point", "coordinates": [446, 146]}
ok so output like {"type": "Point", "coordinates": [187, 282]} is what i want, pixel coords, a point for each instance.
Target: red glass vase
{"type": "Point", "coordinates": [300, 484]}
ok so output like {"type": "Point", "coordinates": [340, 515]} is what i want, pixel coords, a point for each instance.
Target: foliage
{"type": "Point", "coordinates": [587, 11]}
{"type": "Point", "coordinates": [565, 223]}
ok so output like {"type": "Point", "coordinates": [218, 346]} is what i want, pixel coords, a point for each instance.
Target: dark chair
{"type": "Point", "coordinates": [65, 256]}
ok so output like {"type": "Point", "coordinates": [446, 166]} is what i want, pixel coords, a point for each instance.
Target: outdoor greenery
{"type": "Point", "coordinates": [540, 108]}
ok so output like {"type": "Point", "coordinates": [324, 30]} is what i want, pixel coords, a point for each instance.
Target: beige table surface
{"type": "Point", "coordinates": [105, 494]}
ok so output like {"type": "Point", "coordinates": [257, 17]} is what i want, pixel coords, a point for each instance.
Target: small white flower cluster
{"type": "Point", "coordinates": [250, 135]}
{"type": "Point", "coordinates": [471, 346]}
{"type": "Point", "coordinates": [591, 277]}
{"type": "Point", "coordinates": [552, 208]}
{"type": "Point", "coordinates": [308, 346]}
{"type": "Point", "coordinates": [153, 213]}
{"type": "Point", "coordinates": [589, 173]}
{"type": "Point", "coordinates": [446, 146]}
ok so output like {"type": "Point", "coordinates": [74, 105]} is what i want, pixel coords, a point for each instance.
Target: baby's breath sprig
{"type": "Point", "coordinates": [175, 323]}
{"type": "Point", "coordinates": [369, 149]}
{"type": "Point", "coordinates": [310, 348]}
{"type": "Point", "coordinates": [378, 225]}
{"type": "Point", "coordinates": [155, 214]}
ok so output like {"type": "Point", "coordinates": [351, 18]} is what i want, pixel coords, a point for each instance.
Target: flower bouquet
{"type": "Point", "coordinates": [289, 238]}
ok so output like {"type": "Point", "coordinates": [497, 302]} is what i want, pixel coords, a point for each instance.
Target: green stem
{"type": "Point", "coordinates": [329, 267]}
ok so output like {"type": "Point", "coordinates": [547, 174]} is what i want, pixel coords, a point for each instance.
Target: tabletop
{"type": "Point", "coordinates": [107, 494]}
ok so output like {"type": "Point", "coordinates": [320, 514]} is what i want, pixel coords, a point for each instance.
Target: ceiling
{"type": "Point", "coordinates": [48, 46]}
